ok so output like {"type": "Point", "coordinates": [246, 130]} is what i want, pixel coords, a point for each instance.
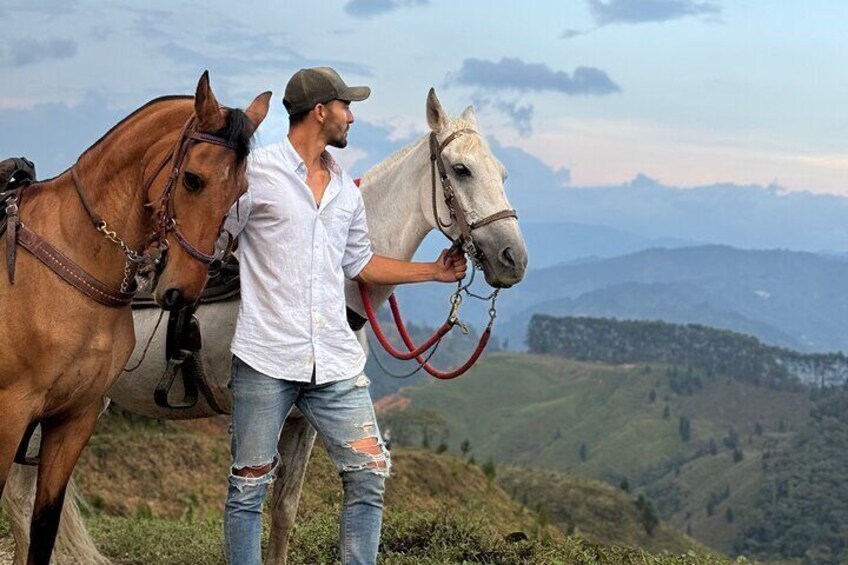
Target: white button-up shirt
{"type": "Point", "coordinates": [294, 257]}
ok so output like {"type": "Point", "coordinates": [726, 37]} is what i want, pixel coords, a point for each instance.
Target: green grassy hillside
{"type": "Point", "coordinates": [594, 510]}
{"type": "Point", "coordinates": [682, 436]}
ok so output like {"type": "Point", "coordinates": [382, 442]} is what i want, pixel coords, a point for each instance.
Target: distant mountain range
{"type": "Point", "coordinates": [790, 299]}
{"type": "Point", "coordinates": [743, 216]}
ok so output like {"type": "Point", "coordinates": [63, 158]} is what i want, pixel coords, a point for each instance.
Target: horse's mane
{"type": "Point", "coordinates": [238, 129]}
{"type": "Point", "coordinates": [383, 167]}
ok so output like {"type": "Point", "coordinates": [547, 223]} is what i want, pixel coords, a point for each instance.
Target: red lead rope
{"type": "Point", "coordinates": [416, 351]}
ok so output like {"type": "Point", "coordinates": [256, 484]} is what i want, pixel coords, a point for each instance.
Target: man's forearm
{"type": "Point", "coordinates": [386, 271]}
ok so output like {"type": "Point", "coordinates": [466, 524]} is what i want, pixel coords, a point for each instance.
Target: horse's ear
{"type": "Point", "coordinates": [206, 108]}
{"type": "Point", "coordinates": [258, 109]}
{"type": "Point", "coordinates": [471, 117]}
{"type": "Point", "coordinates": [436, 116]}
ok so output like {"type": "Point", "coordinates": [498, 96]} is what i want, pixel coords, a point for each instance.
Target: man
{"type": "Point", "coordinates": [303, 230]}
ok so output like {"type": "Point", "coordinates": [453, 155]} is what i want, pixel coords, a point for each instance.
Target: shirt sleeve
{"type": "Point", "coordinates": [236, 219]}
{"type": "Point", "coordinates": [358, 251]}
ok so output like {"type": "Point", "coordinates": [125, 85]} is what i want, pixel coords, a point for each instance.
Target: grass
{"type": "Point", "coordinates": [409, 538]}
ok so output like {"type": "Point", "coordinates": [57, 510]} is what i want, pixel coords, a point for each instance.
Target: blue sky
{"type": "Point", "coordinates": [690, 92]}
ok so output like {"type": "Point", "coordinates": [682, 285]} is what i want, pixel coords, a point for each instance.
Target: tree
{"type": "Point", "coordinates": [684, 428]}
{"type": "Point", "coordinates": [465, 448]}
{"type": "Point", "coordinates": [489, 470]}
{"type": "Point", "coordinates": [625, 485]}
{"type": "Point", "coordinates": [713, 446]}
{"type": "Point", "coordinates": [647, 514]}
{"type": "Point", "coordinates": [731, 441]}
{"type": "Point", "coordinates": [652, 396]}
{"type": "Point", "coordinates": [584, 452]}
{"type": "Point", "coordinates": [666, 412]}
{"type": "Point", "coordinates": [728, 516]}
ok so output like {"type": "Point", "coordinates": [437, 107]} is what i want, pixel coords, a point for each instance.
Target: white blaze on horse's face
{"type": "Point", "coordinates": [478, 179]}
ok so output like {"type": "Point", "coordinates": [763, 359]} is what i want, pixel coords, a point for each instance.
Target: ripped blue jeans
{"type": "Point", "coordinates": [343, 415]}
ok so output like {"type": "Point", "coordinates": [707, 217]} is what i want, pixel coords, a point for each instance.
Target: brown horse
{"type": "Point", "coordinates": [162, 178]}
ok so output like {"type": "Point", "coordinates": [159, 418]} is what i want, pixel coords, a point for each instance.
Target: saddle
{"type": "Point", "coordinates": [183, 340]}
{"type": "Point", "coordinates": [15, 174]}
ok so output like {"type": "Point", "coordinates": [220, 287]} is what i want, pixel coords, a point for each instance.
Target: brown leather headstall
{"type": "Point", "coordinates": [151, 258]}
{"type": "Point", "coordinates": [457, 213]}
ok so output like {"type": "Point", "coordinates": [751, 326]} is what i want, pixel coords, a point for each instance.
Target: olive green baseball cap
{"type": "Point", "coordinates": [319, 85]}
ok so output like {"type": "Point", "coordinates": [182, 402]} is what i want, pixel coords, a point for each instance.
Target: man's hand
{"type": "Point", "coordinates": [451, 267]}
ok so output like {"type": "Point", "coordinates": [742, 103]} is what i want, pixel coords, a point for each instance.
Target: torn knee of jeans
{"type": "Point", "coordinates": [253, 472]}
{"type": "Point", "coordinates": [248, 476]}
{"type": "Point", "coordinates": [378, 458]}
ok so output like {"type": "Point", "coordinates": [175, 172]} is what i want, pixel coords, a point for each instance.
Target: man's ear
{"type": "Point", "coordinates": [320, 113]}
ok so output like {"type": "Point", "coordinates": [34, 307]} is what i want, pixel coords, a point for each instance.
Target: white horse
{"type": "Point", "coordinates": [399, 202]}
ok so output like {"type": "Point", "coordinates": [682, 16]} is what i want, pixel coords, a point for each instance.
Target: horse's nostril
{"type": "Point", "coordinates": [172, 298]}
{"type": "Point", "coordinates": [506, 257]}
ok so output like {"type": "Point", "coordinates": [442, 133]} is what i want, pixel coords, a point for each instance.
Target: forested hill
{"type": "Point", "coordinates": [717, 351]}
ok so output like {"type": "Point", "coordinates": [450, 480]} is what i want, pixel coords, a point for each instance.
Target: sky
{"type": "Point", "coordinates": [688, 92]}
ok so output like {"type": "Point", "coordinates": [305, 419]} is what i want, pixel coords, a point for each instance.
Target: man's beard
{"type": "Point", "coordinates": [338, 142]}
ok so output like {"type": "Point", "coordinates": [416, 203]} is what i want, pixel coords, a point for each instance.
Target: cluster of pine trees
{"type": "Point", "coordinates": [714, 350]}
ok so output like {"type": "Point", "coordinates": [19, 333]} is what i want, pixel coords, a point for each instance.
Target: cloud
{"type": "Point", "coordinates": [280, 59]}
{"type": "Point", "coordinates": [50, 7]}
{"type": "Point", "coordinates": [101, 32]}
{"type": "Point", "coordinates": [520, 116]}
{"type": "Point", "coordinates": [24, 52]}
{"type": "Point", "coordinates": [365, 9]}
{"type": "Point", "coordinates": [152, 28]}
{"type": "Point", "coordinates": [515, 74]}
{"type": "Point", "coordinates": [54, 134]}
{"type": "Point", "coordinates": [643, 11]}
{"type": "Point", "coordinates": [569, 33]}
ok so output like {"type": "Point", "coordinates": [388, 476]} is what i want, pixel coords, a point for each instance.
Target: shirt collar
{"type": "Point", "coordinates": [295, 161]}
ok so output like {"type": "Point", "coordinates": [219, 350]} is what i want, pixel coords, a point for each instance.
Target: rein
{"type": "Point", "coordinates": [151, 259]}
{"type": "Point", "coordinates": [465, 242]}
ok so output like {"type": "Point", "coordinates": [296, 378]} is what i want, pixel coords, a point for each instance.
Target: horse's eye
{"type": "Point", "coordinates": [461, 170]}
{"type": "Point", "coordinates": [192, 182]}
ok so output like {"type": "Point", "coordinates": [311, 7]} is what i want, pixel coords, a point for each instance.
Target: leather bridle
{"type": "Point", "coordinates": [464, 242]}
{"type": "Point", "coordinates": [457, 214]}
{"type": "Point", "coordinates": [152, 258]}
